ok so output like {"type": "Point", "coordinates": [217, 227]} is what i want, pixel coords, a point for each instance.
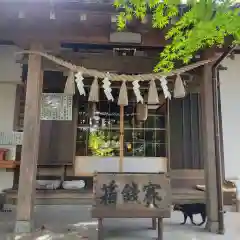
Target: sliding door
{"type": "Point", "coordinates": [185, 133]}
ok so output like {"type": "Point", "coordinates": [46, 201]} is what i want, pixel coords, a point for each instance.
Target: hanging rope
{"type": "Point", "coordinates": [117, 77]}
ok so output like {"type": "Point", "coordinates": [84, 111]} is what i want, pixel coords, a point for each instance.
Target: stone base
{"type": "Point", "coordinates": [213, 227]}
{"type": "Point", "coordinates": [23, 227]}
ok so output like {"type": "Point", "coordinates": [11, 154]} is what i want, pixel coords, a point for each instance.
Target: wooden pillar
{"type": "Point", "coordinates": [29, 157]}
{"type": "Point", "coordinates": [208, 148]}
{"type": "Point", "coordinates": [168, 138]}
{"type": "Point", "coordinates": [121, 138]}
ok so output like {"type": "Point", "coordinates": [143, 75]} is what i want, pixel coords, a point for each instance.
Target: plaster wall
{"type": "Point", "coordinates": [10, 75]}
{"type": "Point", "coordinates": [230, 102]}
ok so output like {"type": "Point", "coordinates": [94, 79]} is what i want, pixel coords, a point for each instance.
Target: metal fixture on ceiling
{"type": "Point", "coordinates": [124, 51]}
{"type": "Point", "coordinates": [83, 17]}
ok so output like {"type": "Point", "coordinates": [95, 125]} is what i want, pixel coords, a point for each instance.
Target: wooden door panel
{"type": "Point", "coordinates": [44, 142]}
{"type": "Point", "coordinates": [185, 145]}
{"type": "Point", "coordinates": [57, 142]}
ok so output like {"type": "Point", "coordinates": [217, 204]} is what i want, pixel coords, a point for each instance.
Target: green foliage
{"type": "Point", "coordinates": [207, 23]}
{"type": "Point", "coordinates": [102, 145]}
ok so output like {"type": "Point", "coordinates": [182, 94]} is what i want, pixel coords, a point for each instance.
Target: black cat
{"type": "Point", "coordinates": [189, 210]}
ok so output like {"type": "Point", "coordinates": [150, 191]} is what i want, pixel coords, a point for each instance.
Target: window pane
{"type": "Point", "coordinates": [160, 136]}
{"type": "Point", "coordinates": [128, 122]}
{"type": "Point", "coordinates": [160, 121]}
{"type": "Point", "coordinates": [160, 150]}
{"type": "Point", "coordinates": [115, 93]}
{"type": "Point", "coordinates": [139, 149]}
{"type": "Point", "coordinates": [114, 112]}
{"type": "Point", "coordinates": [150, 136]}
{"type": "Point", "coordinates": [116, 152]}
{"type": "Point", "coordinates": [150, 150]}
{"type": "Point", "coordinates": [150, 122]}
{"type": "Point", "coordinates": [81, 134]}
{"type": "Point", "coordinates": [138, 135]}
{"type": "Point", "coordinates": [104, 108]}
{"type": "Point", "coordinates": [141, 138]}
{"type": "Point", "coordinates": [115, 134]}
{"type": "Point", "coordinates": [82, 116]}
{"type": "Point", "coordinates": [115, 143]}
{"type": "Point", "coordinates": [115, 123]}
{"type": "Point", "coordinates": [81, 149]}
{"type": "Point", "coordinates": [128, 135]}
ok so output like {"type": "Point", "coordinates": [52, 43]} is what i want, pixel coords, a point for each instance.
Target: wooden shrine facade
{"type": "Point", "coordinates": [47, 27]}
{"type": "Point", "coordinates": [184, 144]}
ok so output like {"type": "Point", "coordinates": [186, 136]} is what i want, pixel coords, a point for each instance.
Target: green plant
{"type": "Point", "coordinates": [205, 24]}
{"type": "Point", "coordinates": [101, 145]}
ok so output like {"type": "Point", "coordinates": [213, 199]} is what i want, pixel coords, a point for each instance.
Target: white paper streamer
{"type": "Point", "coordinates": [94, 92]}
{"type": "Point", "coordinates": [123, 95]}
{"type": "Point", "coordinates": [179, 89]}
{"type": "Point", "coordinates": [79, 81]}
{"type": "Point", "coordinates": [107, 89]}
{"type": "Point", "coordinates": [70, 84]}
{"type": "Point", "coordinates": [137, 92]}
{"type": "Point", "coordinates": [164, 86]}
{"type": "Point", "coordinates": [52, 15]}
{"type": "Point", "coordinates": [152, 93]}
{"type": "Point", "coordinates": [21, 15]}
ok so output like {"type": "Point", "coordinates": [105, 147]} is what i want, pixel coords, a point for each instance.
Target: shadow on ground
{"type": "Point", "coordinates": [74, 222]}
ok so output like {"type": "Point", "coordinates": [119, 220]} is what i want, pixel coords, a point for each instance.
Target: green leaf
{"type": "Point", "coordinates": [207, 23]}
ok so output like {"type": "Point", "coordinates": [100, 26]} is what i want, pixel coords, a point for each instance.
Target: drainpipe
{"type": "Point", "coordinates": [218, 136]}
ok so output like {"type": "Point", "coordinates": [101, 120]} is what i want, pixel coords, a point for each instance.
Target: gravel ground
{"type": "Point", "coordinates": [74, 222]}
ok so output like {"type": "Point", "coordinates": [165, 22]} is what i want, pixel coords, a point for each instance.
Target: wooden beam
{"type": "Point", "coordinates": [93, 35]}
{"type": "Point", "coordinates": [103, 62]}
{"type": "Point", "coordinates": [59, 5]}
{"type": "Point", "coordinates": [96, 31]}
{"type": "Point", "coordinates": [208, 147]}
{"type": "Point", "coordinates": [29, 158]}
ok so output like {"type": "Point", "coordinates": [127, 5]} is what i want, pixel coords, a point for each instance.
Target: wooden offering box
{"type": "Point", "coordinates": [132, 195]}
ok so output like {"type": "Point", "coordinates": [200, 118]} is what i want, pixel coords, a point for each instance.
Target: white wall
{"type": "Point", "coordinates": [10, 71]}
{"type": "Point", "coordinates": [10, 74]}
{"type": "Point", "coordinates": [230, 101]}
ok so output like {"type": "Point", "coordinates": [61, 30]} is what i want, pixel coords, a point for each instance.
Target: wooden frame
{"type": "Point", "coordinates": [121, 155]}
{"type": "Point", "coordinates": [84, 166]}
